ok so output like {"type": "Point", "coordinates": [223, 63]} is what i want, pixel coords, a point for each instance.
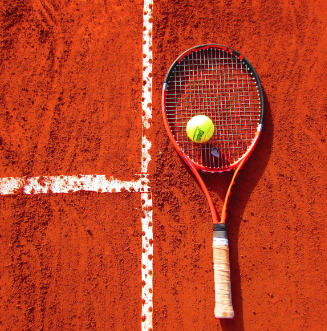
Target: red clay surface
{"type": "Point", "coordinates": [69, 77]}
{"type": "Point", "coordinates": [68, 264]}
{"type": "Point", "coordinates": [70, 103]}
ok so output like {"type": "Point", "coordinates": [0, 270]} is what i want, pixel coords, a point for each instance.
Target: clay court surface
{"type": "Point", "coordinates": [71, 89]}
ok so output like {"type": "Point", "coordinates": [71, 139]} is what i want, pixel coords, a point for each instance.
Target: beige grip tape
{"type": "Point", "coordinates": [223, 294]}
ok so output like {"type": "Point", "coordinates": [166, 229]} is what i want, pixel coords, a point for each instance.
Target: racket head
{"type": "Point", "coordinates": [219, 82]}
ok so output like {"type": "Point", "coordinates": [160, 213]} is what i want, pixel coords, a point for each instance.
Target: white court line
{"type": "Point", "coordinates": [147, 220]}
{"type": "Point", "coordinates": [147, 261]}
{"type": "Point", "coordinates": [70, 184]}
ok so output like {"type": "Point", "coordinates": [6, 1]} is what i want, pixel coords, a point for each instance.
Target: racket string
{"type": "Point", "coordinates": [217, 84]}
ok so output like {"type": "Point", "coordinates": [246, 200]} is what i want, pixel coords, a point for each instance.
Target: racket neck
{"type": "Point", "coordinates": [205, 191]}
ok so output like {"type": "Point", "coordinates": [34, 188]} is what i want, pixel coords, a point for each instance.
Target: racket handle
{"type": "Point", "coordinates": [223, 294]}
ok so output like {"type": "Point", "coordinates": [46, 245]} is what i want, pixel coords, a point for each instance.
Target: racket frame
{"type": "Point", "coordinates": [195, 167]}
{"type": "Point", "coordinates": [223, 296]}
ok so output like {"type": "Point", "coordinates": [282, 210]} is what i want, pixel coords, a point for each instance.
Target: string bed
{"type": "Point", "coordinates": [215, 83]}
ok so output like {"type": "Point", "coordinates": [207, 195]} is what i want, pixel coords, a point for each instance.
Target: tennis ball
{"type": "Point", "coordinates": [200, 128]}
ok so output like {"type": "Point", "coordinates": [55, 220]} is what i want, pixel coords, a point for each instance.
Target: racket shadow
{"type": "Point", "coordinates": [249, 176]}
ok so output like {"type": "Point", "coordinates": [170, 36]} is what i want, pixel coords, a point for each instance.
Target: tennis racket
{"type": "Point", "coordinates": [219, 82]}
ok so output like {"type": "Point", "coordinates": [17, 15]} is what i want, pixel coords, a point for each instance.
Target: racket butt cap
{"type": "Point", "coordinates": [219, 314]}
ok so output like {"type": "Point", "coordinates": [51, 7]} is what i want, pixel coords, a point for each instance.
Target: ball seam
{"type": "Point", "coordinates": [204, 138]}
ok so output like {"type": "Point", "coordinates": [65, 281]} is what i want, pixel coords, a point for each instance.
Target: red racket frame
{"type": "Point", "coordinates": [196, 167]}
{"type": "Point", "coordinates": [223, 297]}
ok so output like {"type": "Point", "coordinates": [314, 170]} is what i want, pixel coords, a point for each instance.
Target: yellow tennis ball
{"type": "Point", "coordinates": [200, 128]}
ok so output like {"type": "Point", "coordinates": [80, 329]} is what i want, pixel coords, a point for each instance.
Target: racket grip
{"type": "Point", "coordinates": [223, 294]}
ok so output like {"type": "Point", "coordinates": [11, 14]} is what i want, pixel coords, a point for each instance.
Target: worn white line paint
{"type": "Point", "coordinates": [146, 145]}
{"type": "Point", "coordinates": [69, 184]}
{"type": "Point", "coordinates": [147, 261]}
{"type": "Point", "coordinates": [147, 65]}
{"type": "Point", "coordinates": [147, 237]}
